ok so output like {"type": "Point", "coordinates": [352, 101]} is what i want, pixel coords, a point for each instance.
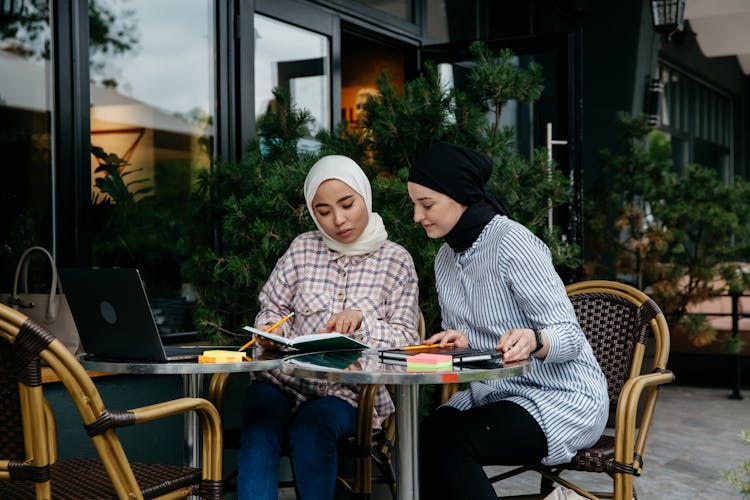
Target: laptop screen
{"type": "Point", "coordinates": [112, 313]}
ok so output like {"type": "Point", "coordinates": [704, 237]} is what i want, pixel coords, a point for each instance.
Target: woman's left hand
{"type": "Point", "coordinates": [517, 344]}
{"type": "Point", "coordinates": [347, 321]}
{"type": "Point", "coordinates": [455, 337]}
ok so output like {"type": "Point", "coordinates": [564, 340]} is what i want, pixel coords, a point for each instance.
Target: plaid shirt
{"type": "Point", "coordinates": [316, 282]}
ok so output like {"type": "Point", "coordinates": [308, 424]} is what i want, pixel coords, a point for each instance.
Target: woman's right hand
{"type": "Point", "coordinates": [457, 338]}
{"type": "Point", "coordinates": [266, 343]}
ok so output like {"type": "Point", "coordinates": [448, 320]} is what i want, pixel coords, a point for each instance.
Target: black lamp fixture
{"type": "Point", "coordinates": [668, 15]}
{"type": "Point", "coordinates": [10, 9]}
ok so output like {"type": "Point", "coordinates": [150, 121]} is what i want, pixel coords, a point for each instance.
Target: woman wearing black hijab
{"type": "Point", "coordinates": [497, 288]}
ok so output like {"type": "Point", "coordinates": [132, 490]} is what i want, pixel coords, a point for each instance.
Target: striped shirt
{"type": "Point", "coordinates": [506, 280]}
{"type": "Point", "coordinates": [316, 282]}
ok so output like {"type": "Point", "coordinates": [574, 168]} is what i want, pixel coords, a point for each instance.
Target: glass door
{"type": "Point", "coordinates": [364, 57]}
{"type": "Point", "coordinates": [553, 120]}
{"type": "Point", "coordinates": [152, 134]}
{"type": "Point", "coordinates": [26, 169]}
{"type": "Point", "coordinates": [295, 48]}
{"type": "Point", "coordinates": [298, 61]}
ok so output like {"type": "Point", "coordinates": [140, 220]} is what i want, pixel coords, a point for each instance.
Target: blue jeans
{"type": "Point", "coordinates": [310, 434]}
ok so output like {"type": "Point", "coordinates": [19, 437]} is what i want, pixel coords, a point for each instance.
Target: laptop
{"type": "Point", "coordinates": [114, 319]}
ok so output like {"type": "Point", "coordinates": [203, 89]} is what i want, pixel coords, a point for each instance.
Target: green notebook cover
{"type": "Point", "coordinates": [339, 360]}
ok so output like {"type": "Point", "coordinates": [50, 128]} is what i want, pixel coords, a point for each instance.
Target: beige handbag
{"type": "Point", "coordinates": [49, 310]}
{"type": "Point", "coordinates": [562, 493]}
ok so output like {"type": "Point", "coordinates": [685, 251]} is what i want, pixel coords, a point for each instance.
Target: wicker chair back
{"type": "Point", "coordinates": [28, 446]}
{"type": "Point", "coordinates": [619, 321]}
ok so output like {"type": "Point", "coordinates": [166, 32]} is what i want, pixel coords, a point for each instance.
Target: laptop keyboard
{"type": "Point", "coordinates": [174, 352]}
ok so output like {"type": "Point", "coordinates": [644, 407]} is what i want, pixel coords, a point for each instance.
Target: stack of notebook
{"type": "Point", "coordinates": [458, 355]}
{"type": "Point", "coordinates": [425, 362]}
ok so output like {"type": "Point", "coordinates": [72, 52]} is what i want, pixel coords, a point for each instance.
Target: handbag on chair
{"type": "Point", "coordinates": [50, 309]}
{"type": "Point", "coordinates": [562, 493]}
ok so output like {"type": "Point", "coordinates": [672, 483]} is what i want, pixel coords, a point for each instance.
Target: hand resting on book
{"type": "Point", "coordinates": [457, 338]}
{"type": "Point", "coordinates": [267, 344]}
{"type": "Point", "coordinates": [347, 321]}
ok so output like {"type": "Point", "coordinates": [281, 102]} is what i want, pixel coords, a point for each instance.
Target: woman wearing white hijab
{"type": "Point", "coordinates": [345, 277]}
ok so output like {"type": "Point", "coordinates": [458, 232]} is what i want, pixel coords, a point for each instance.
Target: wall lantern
{"type": "Point", "coordinates": [10, 9]}
{"type": "Point", "coordinates": [668, 15]}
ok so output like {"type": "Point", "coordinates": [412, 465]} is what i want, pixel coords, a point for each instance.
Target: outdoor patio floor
{"type": "Point", "coordinates": [695, 436]}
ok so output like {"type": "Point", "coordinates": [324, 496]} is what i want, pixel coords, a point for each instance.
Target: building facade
{"type": "Point", "coordinates": [168, 86]}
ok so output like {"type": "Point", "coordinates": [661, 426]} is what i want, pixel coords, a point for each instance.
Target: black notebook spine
{"type": "Point", "coordinates": [471, 358]}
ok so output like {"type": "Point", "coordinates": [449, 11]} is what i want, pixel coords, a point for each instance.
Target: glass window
{"type": "Point", "coordinates": [294, 59]}
{"type": "Point", "coordinates": [25, 136]}
{"type": "Point", "coordinates": [152, 114]}
{"type": "Point", "coordinates": [513, 113]}
{"type": "Point", "coordinates": [362, 62]}
{"type": "Point", "coordinates": [699, 119]}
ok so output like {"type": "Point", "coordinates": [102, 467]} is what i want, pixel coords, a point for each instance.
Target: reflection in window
{"type": "Point", "coordinates": [294, 59]}
{"type": "Point", "coordinates": [457, 75]}
{"type": "Point", "coordinates": [362, 62]}
{"type": "Point", "coordinates": [25, 138]}
{"type": "Point", "coordinates": [699, 120]}
{"type": "Point", "coordinates": [152, 108]}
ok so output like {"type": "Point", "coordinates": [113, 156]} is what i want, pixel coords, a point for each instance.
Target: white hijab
{"type": "Point", "coordinates": [347, 171]}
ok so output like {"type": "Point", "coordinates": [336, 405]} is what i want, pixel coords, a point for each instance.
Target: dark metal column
{"type": "Point", "coordinates": [735, 332]}
{"type": "Point", "coordinates": [71, 133]}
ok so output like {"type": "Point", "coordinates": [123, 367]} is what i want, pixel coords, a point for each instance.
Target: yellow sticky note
{"type": "Point", "coordinates": [220, 356]}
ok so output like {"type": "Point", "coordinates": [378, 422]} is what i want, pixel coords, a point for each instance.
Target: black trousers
{"type": "Point", "coordinates": [454, 445]}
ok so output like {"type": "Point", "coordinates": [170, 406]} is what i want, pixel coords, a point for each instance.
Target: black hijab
{"type": "Point", "coordinates": [460, 173]}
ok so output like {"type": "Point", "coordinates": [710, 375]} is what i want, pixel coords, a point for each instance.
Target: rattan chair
{"type": "Point", "coordinates": [367, 447]}
{"type": "Point", "coordinates": [619, 321]}
{"type": "Point", "coordinates": [29, 467]}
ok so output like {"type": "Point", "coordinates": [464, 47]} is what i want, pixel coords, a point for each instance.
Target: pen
{"type": "Point", "coordinates": [270, 328]}
{"type": "Point", "coordinates": [424, 346]}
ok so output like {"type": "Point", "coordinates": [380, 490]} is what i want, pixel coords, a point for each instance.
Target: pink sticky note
{"type": "Point", "coordinates": [432, 359]}
{"type": "Point", "coordinates": [425, 362]}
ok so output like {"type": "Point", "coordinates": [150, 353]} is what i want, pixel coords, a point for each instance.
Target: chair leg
{"type": "Point", "coordinates": [389, 475]}
{"type": "Point", "coordinates": [546, 485]}
{"type": "Point", "coordinates": [624, 487]}
{"type": "Point", "coordinates": [386, 470]}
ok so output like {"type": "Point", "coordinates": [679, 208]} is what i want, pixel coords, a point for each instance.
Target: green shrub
{"type": "Point", "coordinates": [741, 478]}
{"type": "Point", "coordinates": [259, 206]}
{"type": "Point", "coordinates": [672, 235]}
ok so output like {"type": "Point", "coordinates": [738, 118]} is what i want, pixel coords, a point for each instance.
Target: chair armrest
{"type": "Point", "coordinates": [175, 407]}
{"type": "Point", "coordinates": [631, 393]}
{"type": "Point", "coordinates": [210, 425]}
{"type": "Point", "coordinates": [627, 408]}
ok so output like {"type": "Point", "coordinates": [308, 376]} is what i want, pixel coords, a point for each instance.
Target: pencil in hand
{"type": "Point", "coordinates": [269, 329]}
{"type": "Point", "coordinates": [425, 346]}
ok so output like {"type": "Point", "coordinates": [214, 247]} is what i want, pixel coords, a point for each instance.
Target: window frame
{"type": "Point", "coordinates": [692, 134]}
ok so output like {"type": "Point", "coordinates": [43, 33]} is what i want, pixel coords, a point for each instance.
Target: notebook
{"type": "Point", "coordinates": [113, 316]}
{"type": "Point", "coordinates": [459, 354]}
